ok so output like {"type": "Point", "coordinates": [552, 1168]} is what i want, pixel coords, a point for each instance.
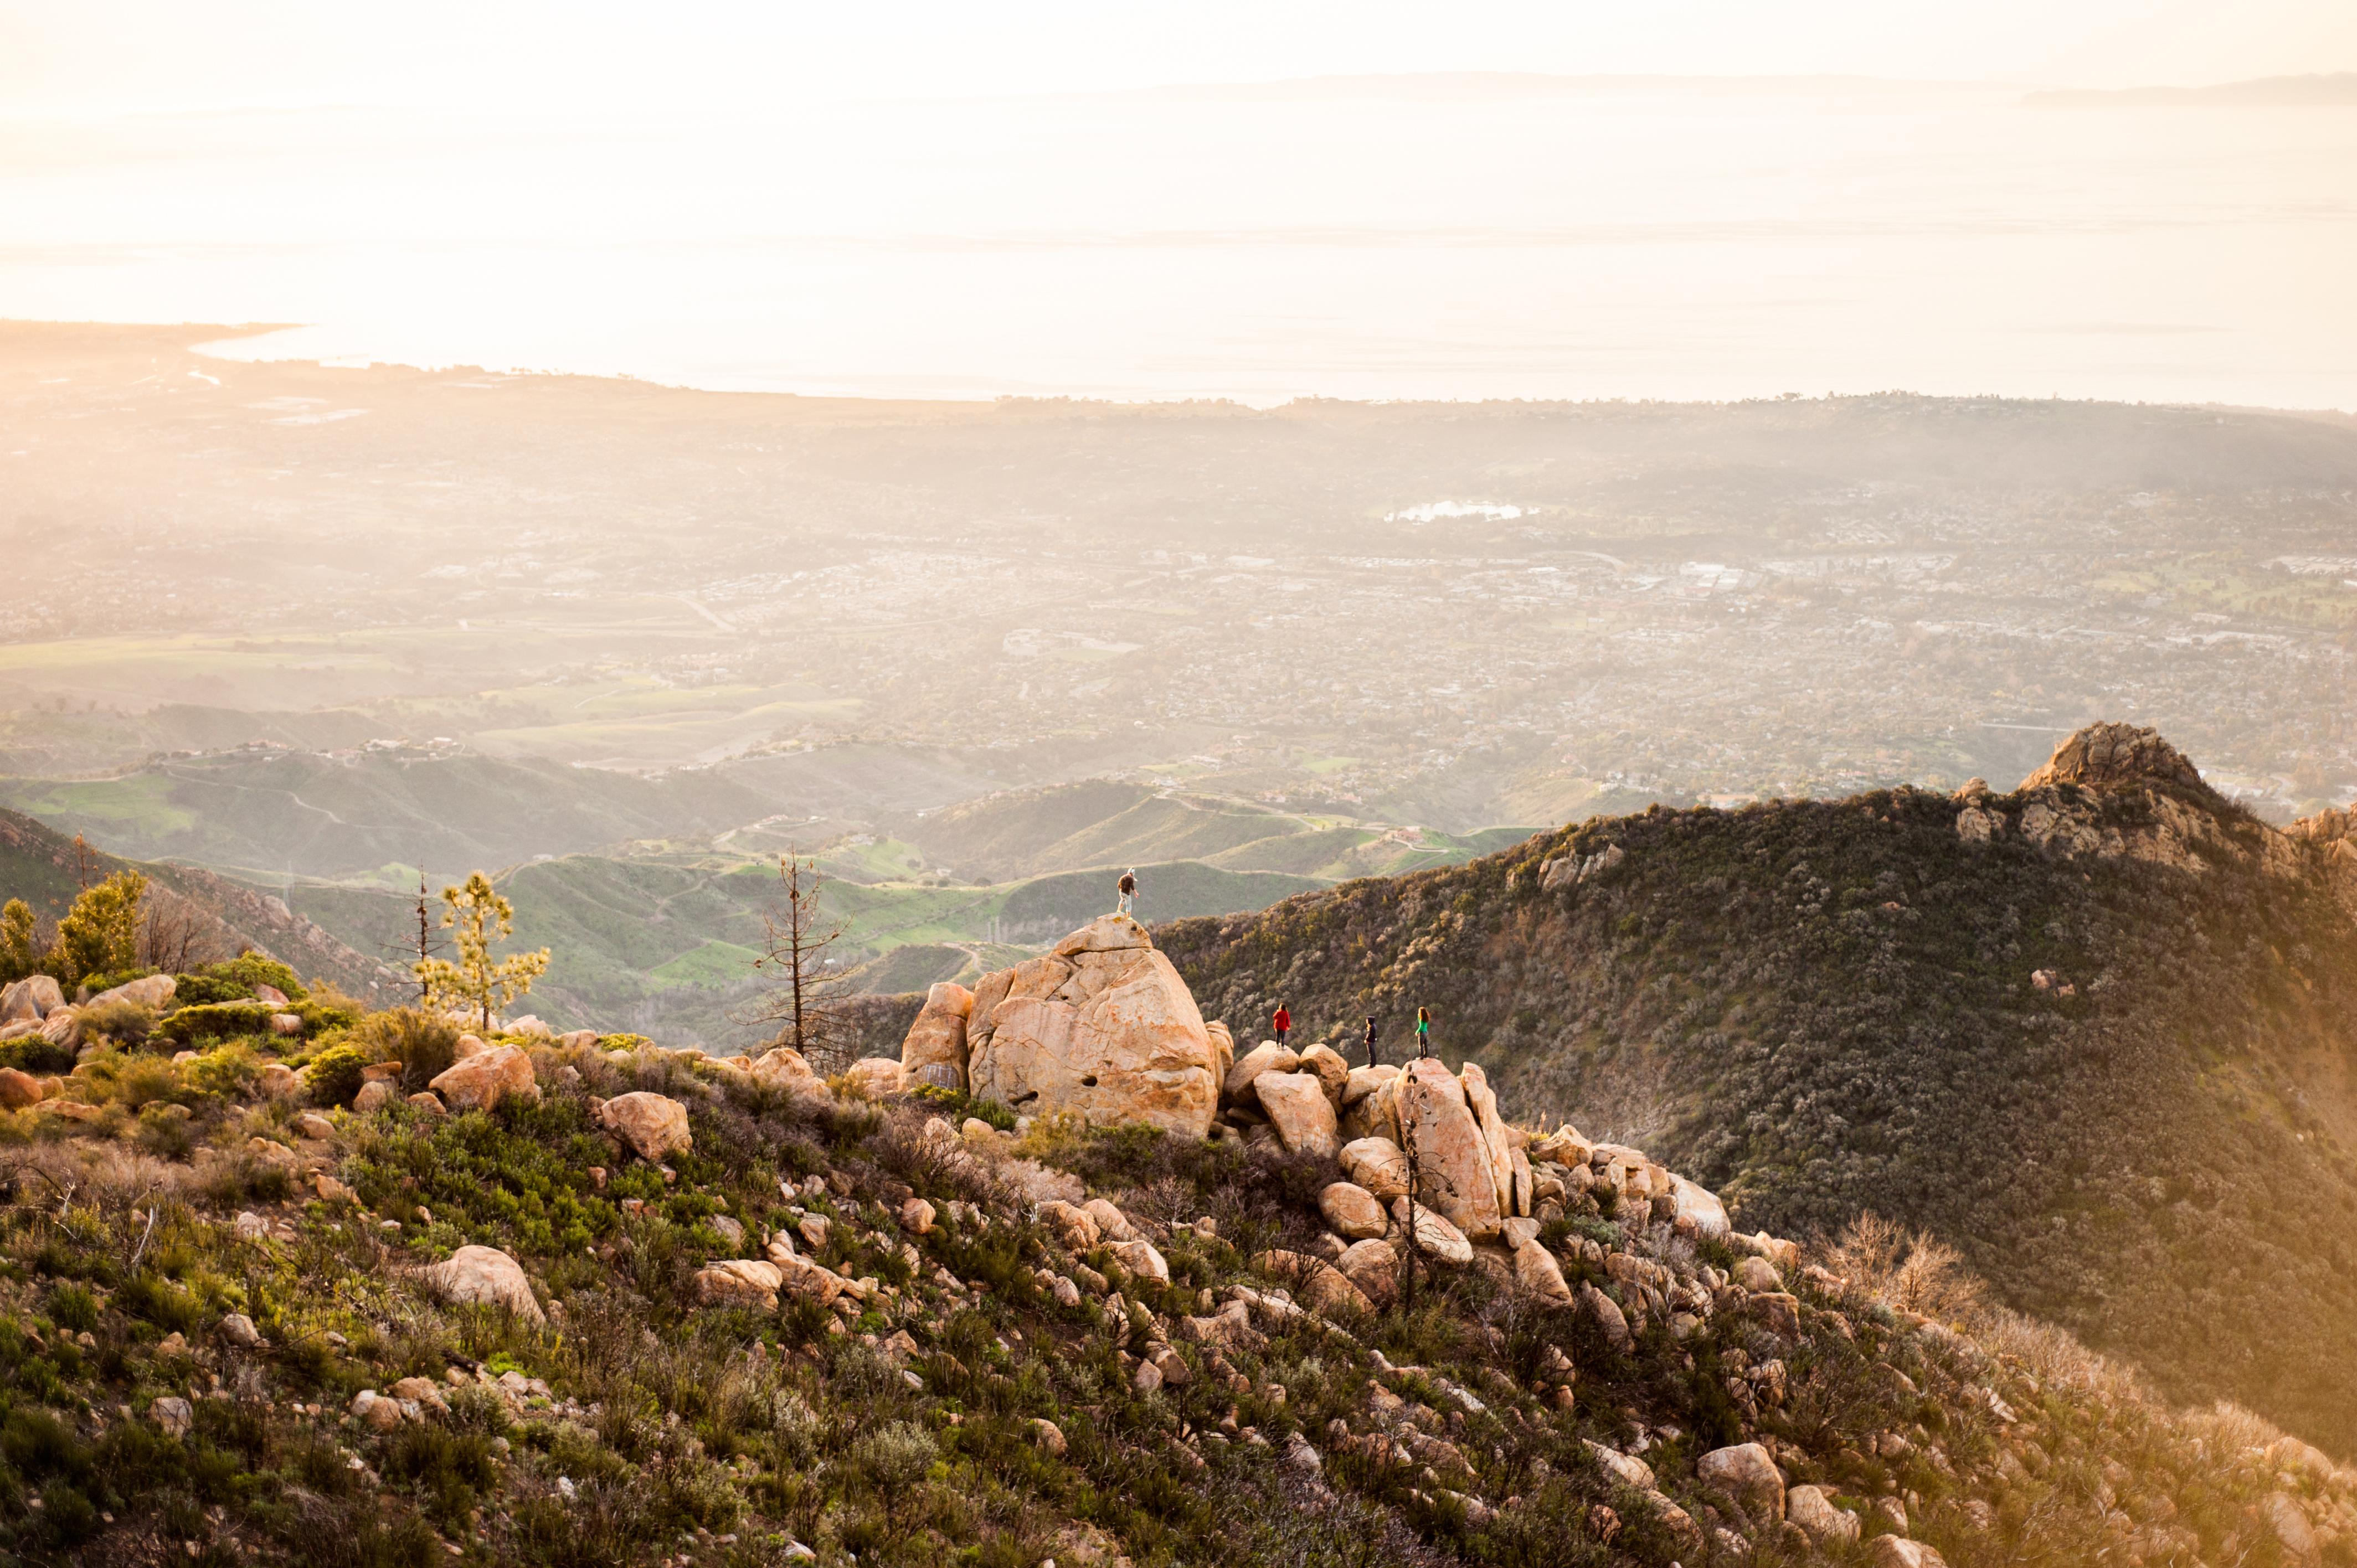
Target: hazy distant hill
{"type": "Point", "coordinates": [1112, 823]}
{"type": "Point", "coordinates": [315, 814]}
{"type": "Point", "coordinates": [1825, 1007]}
{"type": "Point", "coordinates": [43, 868]}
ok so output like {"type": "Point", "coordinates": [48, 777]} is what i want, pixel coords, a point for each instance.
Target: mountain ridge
{"type": "Point", "coordinates": [2010, 1018]}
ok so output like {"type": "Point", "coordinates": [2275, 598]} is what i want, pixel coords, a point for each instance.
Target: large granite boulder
{"type": "Point", "coordinates": [480, 1083]}
{"type": "Point", "coordinates": [1103, 1025]}
{"type": "Point", "coordinates": [935, 1051]}
{"type": "Point", "coordinates": [1297, 1108]}
{"type": "Point", "coordinates": [147, 991]}
{"type": "Point", "coordinates": [32, 998]}
{"type": "Point", "coordinates": [1454, 1175]}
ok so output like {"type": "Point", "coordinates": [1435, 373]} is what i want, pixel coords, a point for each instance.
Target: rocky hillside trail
{"type": "Point", "coordinates": [2098, 1033]}
{"type": "Point", "coordinates": [1072, 1279]}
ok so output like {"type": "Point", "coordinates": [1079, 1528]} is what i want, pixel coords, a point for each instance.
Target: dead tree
{"type": "Point", "coordinates": [807, 1003]}
{"type": "Point", "coordinates": [1407, 1254]}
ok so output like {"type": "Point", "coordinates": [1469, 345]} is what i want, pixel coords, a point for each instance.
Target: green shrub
{"type": "Point", "coordinates": [334, 1075]}
{"type": "Point", "coordinates": [72, 1307]}
{"type": "Point", "coordinates": [30, 1053]}
{"type": "Point", "coordinates": [960, 1105]}
{"type": "Point", "coordinates": [215, 1021]}
{"type": "Point", "coordinates": [122, 1022]}
{"type": "Point", "coordinates": [424, 1044]}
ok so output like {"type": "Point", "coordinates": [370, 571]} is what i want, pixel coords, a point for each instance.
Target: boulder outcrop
{"type": "Point", "coordinates": [482, 1081]}
{"type": "Point", "coordinates": [1103, 1025]}
{"type": "Point", "coordinates": [2107, 754]}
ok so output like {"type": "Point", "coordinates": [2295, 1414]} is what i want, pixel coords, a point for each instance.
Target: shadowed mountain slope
{"type": "Point", "coordinates": [2099, 1034]}
{"type": "Point", "coordinates": [44, 868]}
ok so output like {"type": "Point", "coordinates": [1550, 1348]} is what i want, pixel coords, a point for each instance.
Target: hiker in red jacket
{"type": "Point", "coordinates": [1281, 1022]}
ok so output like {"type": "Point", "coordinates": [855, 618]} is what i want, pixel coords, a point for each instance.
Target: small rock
{"type": "Point", "coordinates": [285, 1025]}
{"type": "Point", "coordinates": [239, 1330]}
{"type": "Point", "coordinates": [1758, 1274]}
{"type": "Point", "coordinates": [173, 1414]}
{"type": "Point", "coordinates": [1812, 1508]}
{"type": "Point", "coordinates": [655, 1125]}
{"type": "Point", "coordinates": [427, 1102]}
{"type": "Point", "coordinates": [1747, 1477]}
{"type": "Point", "coordinates": [311, 1125]}
{"type": "Point", "coordinates": [374, 1097]}
{"type": "Point", "coordinates": [917, 1217]}
{"type": "Point", "coordinates": [488, 1276]}
{"type": "Point", "coordinates": [1050, 1437]}
{"type": "Point", "coordinates": [1898, 1552]}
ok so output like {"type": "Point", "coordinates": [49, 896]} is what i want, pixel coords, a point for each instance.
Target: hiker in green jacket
{"type": "Point", "coordinates": [1424, 1032]}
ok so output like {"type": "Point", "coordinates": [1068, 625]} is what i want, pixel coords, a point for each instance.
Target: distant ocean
{"type": "Point", "coordinates": [1448, 238]}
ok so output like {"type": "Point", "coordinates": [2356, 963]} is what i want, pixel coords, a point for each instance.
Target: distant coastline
{"type": "Point", "coordinates": [2335, 91]}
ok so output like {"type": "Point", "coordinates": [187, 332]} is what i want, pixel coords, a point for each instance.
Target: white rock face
{"type": "Point", "coordinates": [1104, 1027]}
{"type": "Point", "coordinates": [486, 1276]}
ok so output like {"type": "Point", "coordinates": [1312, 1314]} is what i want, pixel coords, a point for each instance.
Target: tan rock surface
{"type": "Point", "coordinates": [1297, 1108]}
{"type": "Point", "coordinates": [781, 1068]}
{"type": "Point", "coordinates": [1266, 1056]}
{"type": "Point", "coordinates": [484, 1276]}
{"type": "Point", "coordinates": [1536, 1270]}
{"type": "Point", "coordinates": [937, 1040]}
{"type": "Point", "coordinates": [877, 1078]}
{"type": "Point", "coordinates": [1355, 1214]}
{"type": "Point", "coordinates": [1377, 1165]}
{"type": "Point", "coordinates": [654, 1125]}
{"type": "Point", "coordinates": [480, 1083]}
{"type": "Point", "coordinates": [1454, 1172]}
{"type": "Point", "coordinates": [1103, 1027]}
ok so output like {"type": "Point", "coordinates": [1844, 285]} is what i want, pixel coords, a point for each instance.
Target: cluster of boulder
{"type": "Point", "coordinates": [38, 1006]}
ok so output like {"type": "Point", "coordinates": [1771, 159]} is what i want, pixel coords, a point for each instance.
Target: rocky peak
{"type": "Point", "coordinates": [2107, 754]}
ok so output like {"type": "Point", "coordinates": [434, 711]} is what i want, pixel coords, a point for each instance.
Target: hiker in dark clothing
{"type": "Point", "coordinates": [1127, 887]}
{"type": "Point", "coordinates": [1423, 1032]}
{"type": "Point", "coordinates": [1370, 1042]}
{"type": "Point", "coordinates": [1282, 1022]}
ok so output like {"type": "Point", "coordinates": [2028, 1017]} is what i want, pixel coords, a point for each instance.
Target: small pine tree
{"type": "Point", "coordinates": [99, 935]}
{"type": "Point", "coordinates": [19, 944]}
{"type": "Point", "coordinates": [478, 981]}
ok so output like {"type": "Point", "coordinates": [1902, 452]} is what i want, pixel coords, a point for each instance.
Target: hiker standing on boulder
{"type": "Point", "coordinates": [1282, 1022]}
{"type": "Point", "coordinates": [1423, 1032]}
{"type": "Point", "coordinates": [1370, 1042]}
{"type": "Point", "coordinates": [1127, 887]}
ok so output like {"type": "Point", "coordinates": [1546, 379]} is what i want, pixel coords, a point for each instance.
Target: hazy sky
{"type": "Point", "coordinates": [96, 56]}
